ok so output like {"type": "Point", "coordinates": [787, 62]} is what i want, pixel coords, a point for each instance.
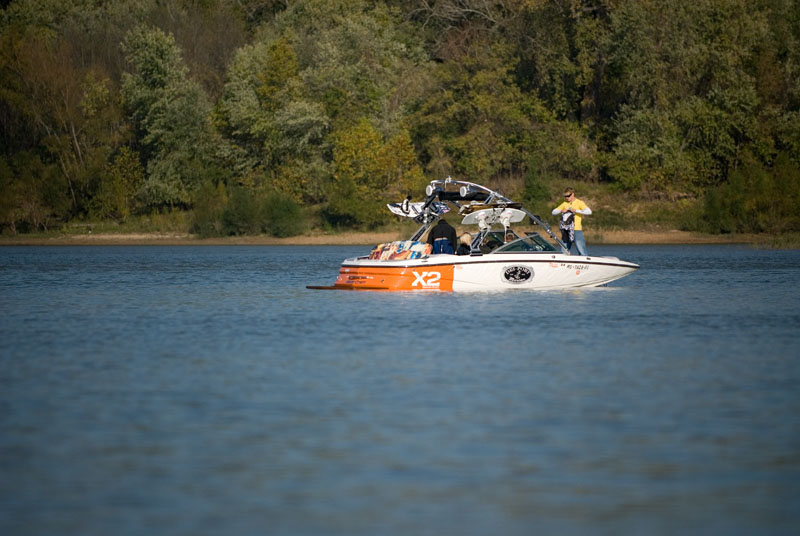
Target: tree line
{"type": "Point", "coordinates": [262, 116]}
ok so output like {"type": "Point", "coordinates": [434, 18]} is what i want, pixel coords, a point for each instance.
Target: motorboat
{"type": "Point", "coordinates": [501, 255]}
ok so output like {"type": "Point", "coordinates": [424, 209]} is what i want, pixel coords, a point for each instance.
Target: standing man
{"type": "Point", "coordinates": [572, 211]}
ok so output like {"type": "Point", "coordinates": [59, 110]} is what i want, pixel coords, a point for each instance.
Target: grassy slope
{"type": "Point", "coordinates": [618, 218]}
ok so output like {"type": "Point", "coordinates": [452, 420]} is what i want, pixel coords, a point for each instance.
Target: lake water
{"type": "Point", "coordinates": [206, 391]}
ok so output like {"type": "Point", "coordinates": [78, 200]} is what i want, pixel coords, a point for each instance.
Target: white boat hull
{"type": "Point", "coordinates": [507, 271]}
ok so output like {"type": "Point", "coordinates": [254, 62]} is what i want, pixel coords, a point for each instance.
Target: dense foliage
{"type": "Point", "coordinates": [266, 116]}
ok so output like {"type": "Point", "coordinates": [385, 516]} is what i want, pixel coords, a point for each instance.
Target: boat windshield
{"type": "Point", "coordinates": [531, 242]}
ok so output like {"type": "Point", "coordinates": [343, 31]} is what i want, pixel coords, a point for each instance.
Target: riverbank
{"type": "Point", "coordinates": [605, 237]}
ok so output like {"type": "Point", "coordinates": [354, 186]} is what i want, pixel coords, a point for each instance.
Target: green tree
{"type": "Point", "coordinates": [116, 197]}
{"type": "Point", "coordinates": [684, 70]}
{"type": "Point", "coordinates": [282, 215]}
{"type": "Point", "coordinates": [66, 113]}
{"type": "Point", "coordinates": [368, 173]}
{"type": "Point", "coordinates": [243, 213]}
{"type": "Point", "coordinates": [477, 123]}
{"type": "Point", "coordinates": [171, 117]}
{"type": "Point", "coordinates": [33, 194]}
{"type": "Point", "coordinates": [756, 199]}
{"type": "Point", "coordinates": [315, 70]}
{"type": "Point", "coordinates": [351, 56]}
{"type": "Point", "coordinates": [210, 202]}
{"type": "Point", "coordinates": [262, 111]}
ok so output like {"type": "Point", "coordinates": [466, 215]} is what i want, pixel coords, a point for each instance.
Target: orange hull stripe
{"type": "Point", "coordinates": [396, 278]}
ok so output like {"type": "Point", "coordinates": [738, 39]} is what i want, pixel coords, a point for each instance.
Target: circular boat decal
{"type": "Point", "coordinates": [518, 274]}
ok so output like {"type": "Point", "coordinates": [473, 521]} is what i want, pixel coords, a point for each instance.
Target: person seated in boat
{"type": "Point", "coordinates": [510, 236]}
{"type": "Point", "coordinates": [443, 237]}
{"type": "Point", "coordinates": [490, 243]}
{"type": "Point", "coordinates": [464, 244]}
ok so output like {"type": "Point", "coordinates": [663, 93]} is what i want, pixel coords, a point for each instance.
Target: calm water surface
{"type": "Point", "coordinates": [205, 390]}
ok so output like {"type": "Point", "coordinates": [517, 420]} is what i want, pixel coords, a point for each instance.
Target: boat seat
{"type": "Point", "coordinates": [400, 250]}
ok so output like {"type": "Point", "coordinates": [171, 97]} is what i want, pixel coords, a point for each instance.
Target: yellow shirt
{"type": "Point", "coordinates": [575, 205]}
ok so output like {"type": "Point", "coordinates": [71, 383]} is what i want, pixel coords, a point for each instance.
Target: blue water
{"type": "Point", "coordinates": [206, 391]}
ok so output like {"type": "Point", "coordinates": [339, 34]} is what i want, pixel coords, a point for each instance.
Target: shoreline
{"type": "Point", "coordinates": [599, 237]}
